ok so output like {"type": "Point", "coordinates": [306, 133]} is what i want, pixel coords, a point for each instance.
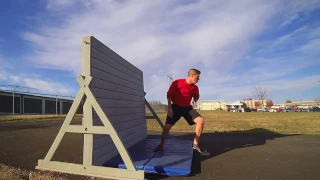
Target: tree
{"type": "Point", "coordinates": [257, 104]}
{"type": "Point", "coordinates": [288, 101]}
{"type": "Point", "coordinates": [260, 93]}
{"type": "Point", "coordinates": [269, 103]}
{"type": "Point", "coordinates": [156, 105]}
{"type": "Point", "coordinates": [247, 99]}
{"type": "Point", "coordinates": [317, 100]}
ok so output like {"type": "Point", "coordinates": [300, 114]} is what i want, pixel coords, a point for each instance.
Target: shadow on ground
{"type": "Point", "coordinates": [219, 143]}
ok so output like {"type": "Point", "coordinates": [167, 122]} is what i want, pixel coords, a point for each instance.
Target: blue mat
{"type": "Point", "coordinates": [140, 154]}
{"type": "Point", "coordinates": [175, 160]}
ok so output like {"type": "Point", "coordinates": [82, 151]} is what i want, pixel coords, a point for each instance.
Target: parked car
{"type": "Point", "coordinates": [272, 110]}
{"type": "Point", "coordinates": [280, 110]}
{"type": "Point", "coordinates": [296, 109]}
{"type": "Point", "coordinates": [314, 109]}
{"type": "Point", "coordinates": [287, 110]}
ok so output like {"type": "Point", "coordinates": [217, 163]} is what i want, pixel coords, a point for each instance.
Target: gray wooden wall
{"type": "Point", "coordinates": [118, 87]}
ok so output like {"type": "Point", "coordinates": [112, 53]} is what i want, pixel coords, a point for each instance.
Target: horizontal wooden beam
{"type": "Point", "coordinates": [87, 129]}
{"type": "Point", "coordinates": [96, 171]}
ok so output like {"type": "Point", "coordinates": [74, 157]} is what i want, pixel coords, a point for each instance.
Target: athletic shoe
{"type": "Point", "coordinates": [197, 147]}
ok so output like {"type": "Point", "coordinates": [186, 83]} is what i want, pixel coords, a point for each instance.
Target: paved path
{"type": "Point", "coordinates": [231, 156]}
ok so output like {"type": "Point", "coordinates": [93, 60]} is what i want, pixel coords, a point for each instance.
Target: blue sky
{"type": "Point", "coordinates": [235, 44]}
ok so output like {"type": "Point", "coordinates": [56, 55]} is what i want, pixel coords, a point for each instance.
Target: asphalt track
{"type": "Point", "coordinates": [230, 155]}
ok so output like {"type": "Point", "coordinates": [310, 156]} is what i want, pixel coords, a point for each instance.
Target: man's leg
{"type": "Point", "coordinates": [170, 121]}
{"type": "Point", "coordinates": [193, 117]}
{"type": "Point", "coordinates": [199, 121]}
{"type": "Point", "coordinates": [165, 133]}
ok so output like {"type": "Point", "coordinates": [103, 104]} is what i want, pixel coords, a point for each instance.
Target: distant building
{"type": "Point", "coordinates": [252, 103]}
{"type": "Point", "coordinates": [236, 105]}
{"type": "Point", "coordinates": [302, 104]}
{"type": "Point", "coordinates": [212, 105]}
{"type": "Point", "coordinates": [27, 103]}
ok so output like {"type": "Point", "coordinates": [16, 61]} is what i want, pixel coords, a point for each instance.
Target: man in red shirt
{"type": "Point", "coordinates": [180, 94]}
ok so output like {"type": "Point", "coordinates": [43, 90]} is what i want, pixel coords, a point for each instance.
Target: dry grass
{"type": "Point", "coordinates": [11, 173]}
{"type": "Point", "coordinates": [33, 117]}
{"type": "Point", "coordinates": [220, 121]}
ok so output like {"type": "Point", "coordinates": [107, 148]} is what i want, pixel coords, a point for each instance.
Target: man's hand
{"type": "Point", "coordinates": [170, 112]}
{"type": "Point", "coordinates": [194, 104]}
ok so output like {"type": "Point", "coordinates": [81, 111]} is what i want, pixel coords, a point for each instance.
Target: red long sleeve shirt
{"type": "Point", "coordinates": [181, 92]}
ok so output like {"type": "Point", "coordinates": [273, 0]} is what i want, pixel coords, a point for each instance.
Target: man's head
{"type": "Point", "coordinates": [193, 76]}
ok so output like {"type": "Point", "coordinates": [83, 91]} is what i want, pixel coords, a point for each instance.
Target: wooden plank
{"type": "Point", "coordinates": [124, 131]}
{"type": "Point", "coordinates": [115, 103]}
{"type": "Point", "coordinates": [86, 129]}
{"type": "Point", "coordinates": [107, 94]}
{"type": "Point", "coordinates": [101, 160]}
{"type": "Point", "coordinates": [113, 55]}
{"type": "Point", "coordinates": [87, 170]}
{"type": "Point", "coordinates": [114, 135]}
{"type": "Point", "coordinates": [127, 133]}
{"type": "Point", "coordinates": [106, 60]}
{"type": "Point", "coordinates": [120, 111]}
{"type": "Point", "coordinates": [101, 142]}
{"type": "Point", "coordinates": [121, 118]}
{"type": "Point", "coordinates": [118, 89]}
{"type": "Point", "coordinates": [108, 149]}
{"type": "Point", "coordinates": [114, 86]}
{"type": "Point", "coordinates": [99, 74]}
{"type": "Point", "coordinates": [97, 64]}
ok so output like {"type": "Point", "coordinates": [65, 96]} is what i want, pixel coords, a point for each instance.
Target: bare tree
{"type": "Point", "coordinates": [317, 100]}
{"type": "Point", "coordinates": [260, 93]}
{"type": "Point", "coordinates": [157, 106]}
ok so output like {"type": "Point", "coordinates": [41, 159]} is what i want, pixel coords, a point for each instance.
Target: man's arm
{"type": "Point", "coordinates": [169, 102]}
{"type": "Point", "coordinates": [196, 97]}
{"type": "Point", "coordinates": [171, 91]}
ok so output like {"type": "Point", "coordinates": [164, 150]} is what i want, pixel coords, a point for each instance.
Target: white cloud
{"type": "Point", "coordinates": [289, 19]}
{"type": "Point", "coordinates": [311, 47]}
{"type": "Point", "coordinates": [59, 4]}
{"type": "Point", "coordinates": [162, 36]}
{"type": "Point", "coordinates": [276, 89]}
{"type": "Point", "coordinates": [48, 87]}
{"type": "Point", "coordinates": [33, 83]}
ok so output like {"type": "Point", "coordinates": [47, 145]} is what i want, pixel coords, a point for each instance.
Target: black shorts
{"type": "Point", "coordinates": [188, 113]}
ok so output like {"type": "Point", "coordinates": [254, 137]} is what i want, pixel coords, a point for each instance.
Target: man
{"type": "Point", "coordinates": [180, 94]}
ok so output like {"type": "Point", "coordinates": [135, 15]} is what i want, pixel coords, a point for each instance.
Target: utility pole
{"type": "Point", "coordinates": [57, 104]}
{"type": "Point", "coordinates": [170, 79]}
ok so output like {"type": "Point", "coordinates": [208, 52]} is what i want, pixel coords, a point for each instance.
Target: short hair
{"type": "Point", "coordinates": [193, 70]}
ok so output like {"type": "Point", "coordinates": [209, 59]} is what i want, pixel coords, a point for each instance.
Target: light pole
{"type": "Point", "coordinates": [57, 103]}
{"type": "Point", "coordinates": [169, 79]}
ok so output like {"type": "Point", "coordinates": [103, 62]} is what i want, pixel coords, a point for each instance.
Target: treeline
{"type": "Point", "coordinates": [157, 106]}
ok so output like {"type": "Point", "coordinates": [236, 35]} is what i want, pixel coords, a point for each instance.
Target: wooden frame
{"type": "Point", "coordinates": [87, 128]}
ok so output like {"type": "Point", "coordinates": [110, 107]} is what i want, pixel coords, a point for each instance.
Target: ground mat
{"type": "Point", "coordinates": [175, 160]}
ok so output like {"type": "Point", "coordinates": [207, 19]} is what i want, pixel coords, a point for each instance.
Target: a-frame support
{"type": "Point", "coordinates": [86, 169]}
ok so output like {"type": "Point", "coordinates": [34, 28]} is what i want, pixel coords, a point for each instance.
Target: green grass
{"type": "Point", "coordinates": [220, 121]}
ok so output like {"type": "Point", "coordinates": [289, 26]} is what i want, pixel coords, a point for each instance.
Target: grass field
{"type": "Point", "coordinates": [220, 121]}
